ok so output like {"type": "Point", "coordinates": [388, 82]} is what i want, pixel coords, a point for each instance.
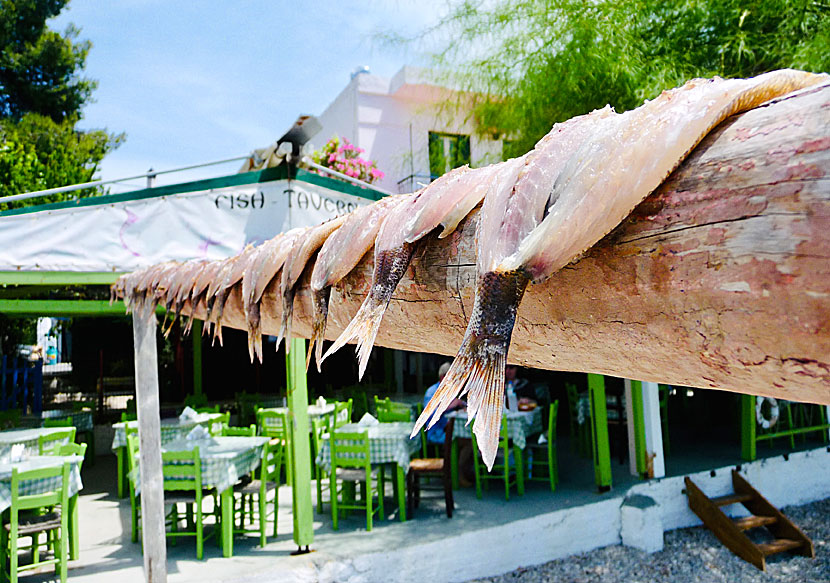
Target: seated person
{"type": "Point", "coordinates": [436, 433]}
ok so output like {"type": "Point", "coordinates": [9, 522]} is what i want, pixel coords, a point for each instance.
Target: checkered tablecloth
{"type": "Point", "coordinates": [388, 442]}
{"type": "Point", "coordinates": [314, 412]}
{"type": "Point", "coordinates": [39, 486]}
{"type": "Point", "coordinates": [224, 459]}
{"type": "Point", "coordinates": [171, 429]}
{"type": "Point", "coordinates": [520, 425]}
{"type": "Point", "coordinates": [28, 437]}
{"type": "Point", "coordinates": [81, 420]}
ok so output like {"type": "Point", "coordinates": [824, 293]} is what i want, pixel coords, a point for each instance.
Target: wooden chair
{"type": "Point", "coordinates": [274, 424]}
{"type": "Point", "coordinates": [319, 427]}
{"type": "Point", "coordinates": [127, 417]}
{"type": "Point", "coordinates": [546, 457]}
{"type": "Point", "coordinates": [48, 444]}
{"type": "Point", "coordinates": [217, 425]}
{"type": "Point", "coordinates": [28, 518]}
{"type": "Point", "coordinates": [342, 413]}
{"type": "Point", "coordinates": [350, 462]}
{"type": "Point", "coordinates": [440, 467]}
{"type": "Point", "coordinates": [268, 480]}
{"type": "Point", "coordinates": [65, 422]}
{"type": "Point", "coordinates": [132, 464]}
{"type": "Point", "coordinates": [78, 449]}
{"type": "Point", "coordinates": [389, 411]}
{"type": "Point", "coordinates": [501, 467]}
{"type": "Point", "coordinates": [182, 473]}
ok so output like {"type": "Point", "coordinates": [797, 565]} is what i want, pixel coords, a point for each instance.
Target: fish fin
{"type": "Point", "coordinates": [478, 368]}
{"type": "Point", "coordinates": [320, 310]}
{"type": "Point", "coordinates": [364, 326]}
{"type": "Point", "coordinates": [287, 318]}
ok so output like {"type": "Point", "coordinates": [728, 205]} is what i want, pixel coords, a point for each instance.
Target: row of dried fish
{"type": "Point", "coordinates": [539, 212]}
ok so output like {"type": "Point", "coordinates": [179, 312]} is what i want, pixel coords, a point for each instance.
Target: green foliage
{"type": "Point", "coordinates": [41, 96]}
{"type": "Point", "coordinates": [532, 63]}
{"type": "Point", "coordinates": [39, 67]}
{"type": "Point", "coordinates": [37, 153]}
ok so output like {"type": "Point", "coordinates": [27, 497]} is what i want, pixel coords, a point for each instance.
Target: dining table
{"type": "Point", "coordinates": [81, 420]}
{"type": "Point", "coordinates": [172, 428]}
{"type": "Point", "coordinates": [315, 411]}
{"type": "Point", "coordinates": [520, 426]}
{"type": "Point", "coordinates": [28, 436]}
{"type": "Point", "coordinates": [224, 461]}
{"type": "Point", "coordinates": [389, 443]}
{"type": "Point", "coordinates": [31, 487]}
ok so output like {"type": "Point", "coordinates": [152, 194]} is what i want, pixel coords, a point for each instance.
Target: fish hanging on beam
{"type": "Point", "coordinates": [443, 203]}
{"type": "Point", "coordinates": [605, 174]}
{"type": "Point", "coordinates": [340, 253]}
{"type": "Point", "coordinates": [301, 251]}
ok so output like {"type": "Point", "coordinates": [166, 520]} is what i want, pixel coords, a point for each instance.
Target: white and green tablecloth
{"type": "Point", "coordinates": [38, 486]}
{"type": "Point", "coordinates": [520, 425]}
{"type": "Point", "coordinates": [171, 429]}
{"type": "Point", "coordinates": [81, 420]}
{"type": "Point", "coordinates": [388, 443]}
{"type": "Point", "coordinates": [28, 437]}
{"type": "Point", "coordinates": [224, 459]}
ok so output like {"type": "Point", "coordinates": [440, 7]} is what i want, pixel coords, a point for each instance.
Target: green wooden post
{"type": "Point", "coordinates": [748, 427]}
{"type": "Point", "coordinates": [639, 428]}
{"type": "Point", "coordinates": [196, 336]}
{"type": "Point", "coordinates": [297, 384]}
{"type": "Point", "coordinates": [599, 427]}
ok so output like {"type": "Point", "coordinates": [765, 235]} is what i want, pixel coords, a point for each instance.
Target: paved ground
{"type": "Point", "coordinates": [690, 555]}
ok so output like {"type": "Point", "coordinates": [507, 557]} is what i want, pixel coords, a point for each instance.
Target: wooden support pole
{"type": "Point", "coordinates": [196, 338]}
{"type": "Point", "coordinates": [719, 279]}
{"type": "Point", "coordinates": [748, 442]}
{"type": "Point", "coordinates": [599, 431]}
{"type": "Point", "coordinates": [149, 437]}
{"type": "Point", "coordinates": [636, 428]}
{"type": "Point", "coordinates": [653, 430]}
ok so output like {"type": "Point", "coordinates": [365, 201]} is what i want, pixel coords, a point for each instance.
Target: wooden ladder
{"type": "Point", "coordinates": [731, 532]}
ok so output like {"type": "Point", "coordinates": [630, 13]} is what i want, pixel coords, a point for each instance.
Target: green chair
{"type": "Point", "coordinates": [268, 480]}
{"type": "Point", "coordinates": [249, 431]}
{"type": "Point", "coordinates": [389, 411]}
{"type": "Point", "coordinates": [350, 462]}
{"type": "Point", "coordinates": [196, 400]}
{"type": "Point", "coordinates": [217, 425]}
{"type": "Point", "coordinates": [342, 413]}
{"type": "Point", "coordinates": [213, 409]}
{"type": "Point", "coordinates": [127, 417]}
{"type": "Point", "coordinates": [274, 424]}
{"type": "Point", "coordinates": [319, 427]}
{"type": "Point", "coordinates": [182, 473]}
{"type": "Point", "coordinates": [78, 449]}
{"type": "Point", "coordinates": [65, 422]}
{"type": "Point", "coordinates": [501, 467]}
{"type": "Point", "coordinates": [132, 465]}
{"type": "Point", "coordinates": [546, 457]}
{"type": "Point", "coordinates": [49, 444]}
{"type": "Point", "coordinates": [54, 523]}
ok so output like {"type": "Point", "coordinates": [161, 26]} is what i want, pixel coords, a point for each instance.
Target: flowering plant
{"type": "Point", "coordinates": [341, 155]}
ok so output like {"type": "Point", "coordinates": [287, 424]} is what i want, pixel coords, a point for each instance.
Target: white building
{"type": "Point", "coordinates": [413, 128]}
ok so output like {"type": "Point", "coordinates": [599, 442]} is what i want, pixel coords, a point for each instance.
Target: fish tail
{"type": "Point", "coordinates": [254, 331]}
{"type": "Point", "coordinates": [478, 368]}
{"type": "Point", "coordinates": [390, 267]}
{"type": "Point", "coordinates": [320, 312]}
{"type": "Point", "coordinates": [287, 318]}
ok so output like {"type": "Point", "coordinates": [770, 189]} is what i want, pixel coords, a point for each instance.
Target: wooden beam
{"type": "Point", "coordinates": [149, 437]}
{"type": "Point", "coordinates": [719, 279]}
{"type": "Point", "coordinates": [92, 308]}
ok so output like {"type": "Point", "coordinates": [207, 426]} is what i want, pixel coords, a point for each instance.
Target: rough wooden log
{"type": "Point", "coordinates": [718, 279]}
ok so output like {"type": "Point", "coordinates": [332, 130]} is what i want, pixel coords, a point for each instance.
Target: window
{"type": "Point", "coordinates": [447, 151]}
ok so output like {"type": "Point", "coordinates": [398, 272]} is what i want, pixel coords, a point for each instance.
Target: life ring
{"type": "Point", "coordinates": [764, 422]}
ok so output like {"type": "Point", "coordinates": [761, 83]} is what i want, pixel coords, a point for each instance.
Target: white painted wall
{"type": "Point", "coordinates": [391, 118]}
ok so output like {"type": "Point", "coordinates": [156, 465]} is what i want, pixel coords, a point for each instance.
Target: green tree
{"type": "Point", "coordinates": [532, 63]}
{"type": "Point", "coordinates": [42, 94]}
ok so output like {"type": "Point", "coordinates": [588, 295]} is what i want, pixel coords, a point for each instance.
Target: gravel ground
{"type": "Point", "coordinates": [691, 555]}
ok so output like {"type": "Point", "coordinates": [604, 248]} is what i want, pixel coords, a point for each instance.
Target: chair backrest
{"type": "Point", "coordinates": [218, 424]}
{"type": "Point", "coordinates": [249, 431]}
{"type": "Point", "coordinates": [381, 404]}
{"type": "Point", "coordinates": [553, 411]}
{"type": "Point", "coordinates": [213, 409]}
{"type": "Point", "coordinates": [393, 414]}
{"type": "Point", "coordinates": [49, 443]}
{"type": "Point", "coordinates": [132, 451]}
{"type": "Point", "coordinates": [271, 461]}
{"type": "Point", "coordinates": [342, 413]}
{"type": "Point", "coordinates": [60, 495]}
{"type": "Point", "coordinates": [319, 427]}
{"type": "Point", "coordinates": [182, 470]}
{"type": "Point", "coordinates": [349, 449]}
{"type": "Point", "coordinates": [271, 423]}
{"type": "Point", "coordinates": [196, 400]}
{"type": "Point", "coordinates": [127, 417]}
{"type": "Point", "coordinates": [64, 422]}
{"type": "Point", "coordinates": [73, 449]}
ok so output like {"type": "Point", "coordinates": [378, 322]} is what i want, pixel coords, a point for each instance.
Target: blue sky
{"type": "Point", "coordinates": [191, 82]}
